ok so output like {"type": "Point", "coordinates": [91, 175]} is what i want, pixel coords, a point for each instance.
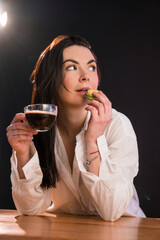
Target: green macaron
{"type": "Point", "coordinates": [89, 94]}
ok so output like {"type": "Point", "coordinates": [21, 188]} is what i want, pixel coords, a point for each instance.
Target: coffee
{"type": "Point", "coordinates": [40, 120]}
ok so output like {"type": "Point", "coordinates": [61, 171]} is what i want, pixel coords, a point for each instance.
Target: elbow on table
{"type": "Point", "coordinates": [112, 217]}
{"type": "Point", "coordinates": [118, 205]}
{"type": "Point", "coordinates": [29, 212]}
{"type": "Point", "coordinates": [33, 204]}
{"type": "Point", "coordinates": [30, 209]}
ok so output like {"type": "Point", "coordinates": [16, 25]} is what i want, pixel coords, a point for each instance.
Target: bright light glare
{"type": "Point", "coordinates": [3, 19]}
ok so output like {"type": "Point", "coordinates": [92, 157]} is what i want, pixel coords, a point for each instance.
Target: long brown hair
{"type": "Point", "coordinates": [46, 78]}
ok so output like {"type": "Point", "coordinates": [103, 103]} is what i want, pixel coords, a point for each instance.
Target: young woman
{"type": "Point", "coordinates": [50, 172]}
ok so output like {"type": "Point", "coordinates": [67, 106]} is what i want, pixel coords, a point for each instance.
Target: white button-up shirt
{"type": "Point", "coordinates": [110, 195]}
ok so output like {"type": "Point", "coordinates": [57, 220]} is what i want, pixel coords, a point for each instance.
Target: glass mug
{"type": "Point", "coordinates": [41, 117]}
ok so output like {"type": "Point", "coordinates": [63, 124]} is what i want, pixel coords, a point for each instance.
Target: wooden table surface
{"type": "Point", "coordinates": [14, 226]}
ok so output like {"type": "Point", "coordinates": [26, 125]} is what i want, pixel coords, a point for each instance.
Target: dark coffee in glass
{"type": "Point", "coordinates": [41, 117]}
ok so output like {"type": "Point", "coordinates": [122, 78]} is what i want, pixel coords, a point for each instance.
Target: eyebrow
{"type": "Point", "coordinates": [74, 61]}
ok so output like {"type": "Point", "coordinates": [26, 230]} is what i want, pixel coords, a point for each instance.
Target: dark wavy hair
{"type": "Point", "coordinates": [46, 78]}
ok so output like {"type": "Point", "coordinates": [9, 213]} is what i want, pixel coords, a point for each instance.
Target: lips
{"type": "Point", "coordinates": [84, 89]}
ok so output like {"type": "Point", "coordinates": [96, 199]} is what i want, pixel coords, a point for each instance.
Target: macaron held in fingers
{"type": "Point", "coordinates": [89, 94]}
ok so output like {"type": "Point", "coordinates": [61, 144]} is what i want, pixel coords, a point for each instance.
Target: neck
{"type": "Point", "coordinates": [71, 121]}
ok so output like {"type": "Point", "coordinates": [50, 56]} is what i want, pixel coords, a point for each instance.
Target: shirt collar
{"type": "Point", "coordinates": [85, 126]}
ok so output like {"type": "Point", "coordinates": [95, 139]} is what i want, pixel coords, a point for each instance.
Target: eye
{"type": "Point", "coordinates": [92, 68]}
{"type": "Point", "coordinates": [71, 68]}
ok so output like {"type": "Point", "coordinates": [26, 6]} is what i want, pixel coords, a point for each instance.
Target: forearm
{"type": "Point", "coordinates": [93, 157]}
{"type": "Point", "coordinates": [110, 195]}
{"type": "Point", "coordinates": [22, 160]}
{"type": "Point", "coordinates": [112, 190]}
{"type": "Point", "coordinates": [28, 196]}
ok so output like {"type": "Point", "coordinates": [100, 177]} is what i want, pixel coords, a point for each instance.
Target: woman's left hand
{"type": "Point", "coordinates": [101, 115]}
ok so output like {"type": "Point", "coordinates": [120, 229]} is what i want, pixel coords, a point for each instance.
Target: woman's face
{"type": "Point", "coordinates": [79, 72]}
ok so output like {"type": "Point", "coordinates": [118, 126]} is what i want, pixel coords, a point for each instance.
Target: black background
{"type": "Point", "coordinates": [125, 35]}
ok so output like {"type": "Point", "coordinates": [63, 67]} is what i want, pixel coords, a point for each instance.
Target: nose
{"type": "Point", "coordinates": [84, 76]}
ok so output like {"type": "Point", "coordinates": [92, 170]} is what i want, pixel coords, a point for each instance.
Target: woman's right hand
{"type": "Point", "coordinates": [20, 134]}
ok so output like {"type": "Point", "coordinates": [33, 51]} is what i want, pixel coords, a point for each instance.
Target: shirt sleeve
{"type": "Point", "coordinates": [112, 191]}
{"type": "Point", "coordinates": [28, 196]}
